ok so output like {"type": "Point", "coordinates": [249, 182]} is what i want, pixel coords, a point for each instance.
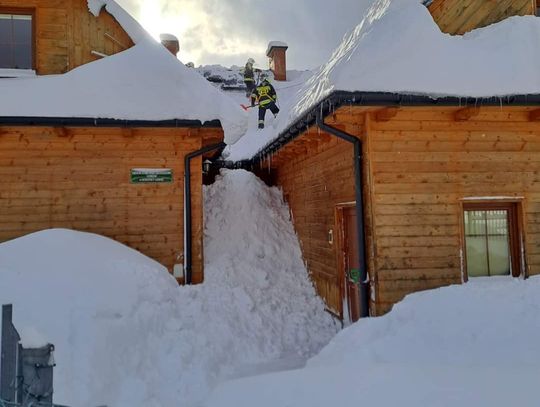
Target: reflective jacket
{"type": "Point", "coordinates": [265, 93]}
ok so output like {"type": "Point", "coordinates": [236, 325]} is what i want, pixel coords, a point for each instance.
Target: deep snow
{"type": "Point", "coordinates": [398, 48]}
{"type": "Point", "coordinates": [127, 335]}
{"type": "Point", "coordinates": [469, 345]}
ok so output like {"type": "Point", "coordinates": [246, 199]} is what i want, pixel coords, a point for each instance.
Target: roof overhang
{"type": "Point", "coordinates": [98, 122]}
{"type": "Point", "coordinates": [384, 99]}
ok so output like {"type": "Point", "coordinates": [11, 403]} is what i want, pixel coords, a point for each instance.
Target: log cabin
{"type": "Point", "coordinates": [103, 130]}
{"type": "Point", "coordinates": [462, 16]}
{"type": "Point", "coordinates": [416, 167]}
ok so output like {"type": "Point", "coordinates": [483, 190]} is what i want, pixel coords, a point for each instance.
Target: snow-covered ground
{"type": "Point", "coordinates": [471, 345]}
{"type": "Point", "coordinates": [127, 335]}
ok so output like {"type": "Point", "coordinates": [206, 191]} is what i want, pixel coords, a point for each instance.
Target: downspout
{"type": "Point", "coordinates": [188, 238]}
{"type": "Point", "coordinates": [364, 279]}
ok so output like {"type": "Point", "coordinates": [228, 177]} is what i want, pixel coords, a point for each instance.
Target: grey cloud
{"type": "Point", "coordinates": [312, 28]}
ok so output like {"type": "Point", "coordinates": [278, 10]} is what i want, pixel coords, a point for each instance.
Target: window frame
{"type": "Point", "coordinates": [515, 232]}
{"type": "Point", "coordinates": [23, 11]}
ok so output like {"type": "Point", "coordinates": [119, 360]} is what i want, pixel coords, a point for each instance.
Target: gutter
{"type": "Point", "coordinates": [188, 226]}
{"type": "Point", "coordinates": [383, 99]}
{"type": "Point", "coordinates": [360, 229]}
{"type": "Point", "coordinates": [98, 122]}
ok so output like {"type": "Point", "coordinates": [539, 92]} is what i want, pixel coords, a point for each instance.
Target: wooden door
{"type": "Point", "coordinates": [351, 264]}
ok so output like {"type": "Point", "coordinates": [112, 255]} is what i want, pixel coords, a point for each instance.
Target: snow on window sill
{"type": "Point", "coordinates": [17, 73]}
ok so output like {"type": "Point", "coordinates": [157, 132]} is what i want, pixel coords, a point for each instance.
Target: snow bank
{"type": "Point", "coordinates": [127, 335]}
{"type": "Point", "coordinates": [398, 48]}
{"type": "Point", "coordinates": [470, 345]}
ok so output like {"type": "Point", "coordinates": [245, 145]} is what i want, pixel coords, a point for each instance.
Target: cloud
{"type": "Point", "coordinates": [227, 32]}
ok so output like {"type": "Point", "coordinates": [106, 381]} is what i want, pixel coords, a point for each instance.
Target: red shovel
{"type": "Point", "coordinates": [247, 107]}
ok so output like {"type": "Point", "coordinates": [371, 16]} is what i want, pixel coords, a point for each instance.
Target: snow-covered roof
{"type": "Point", "coordinates": [145, 82]}
{"type": "Point", "coordinates": [398, 48]}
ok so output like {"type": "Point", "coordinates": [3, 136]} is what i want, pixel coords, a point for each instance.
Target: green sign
{"type": "Point", "coordinates": [151, 176]}
{"type": "Point", "coordinates": [354, 276]}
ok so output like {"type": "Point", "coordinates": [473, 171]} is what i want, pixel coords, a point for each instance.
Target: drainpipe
{"type": "Point", "coordinates": [188, 238]}
{"type": "Point", "coordinates": [364, 279]}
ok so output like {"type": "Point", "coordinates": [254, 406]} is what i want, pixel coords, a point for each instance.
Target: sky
{"type": "Point", "coordinates": [227, 32]}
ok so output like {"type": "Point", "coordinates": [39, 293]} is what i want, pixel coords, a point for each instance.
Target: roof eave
{"type": "Point", "coordinates": [100, 122]}
{"type": "Point", "coordinates": [383, 99]}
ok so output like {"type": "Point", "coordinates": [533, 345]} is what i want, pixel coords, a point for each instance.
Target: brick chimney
{"type": "Point", "coordinates": [170, 42]}
{"type": "Point", "coordinates": [277, 52]}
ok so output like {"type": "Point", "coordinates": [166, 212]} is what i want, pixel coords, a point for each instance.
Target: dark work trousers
{"type": "Point", "coordinates": [262, 112]}
{"type": "Point", "coordinates": [250, 87]}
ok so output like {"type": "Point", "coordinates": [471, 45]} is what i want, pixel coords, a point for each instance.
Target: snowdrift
{"type": "Point", "coordinates": [127, 335]}
{"type": "Point", "coordinates": [469, 345]}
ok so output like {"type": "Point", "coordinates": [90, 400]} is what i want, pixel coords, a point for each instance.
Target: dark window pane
{"type": "Point", "coordinates": [22, 30]}
{"type": "Point", "coordinates": [5, 56]}
{"type": "Point", "coordinates": [16, 41]}
{"type": "Point", "coordinates": [5, 29]}
{"type": "Point", "coordinates": [22, 55]}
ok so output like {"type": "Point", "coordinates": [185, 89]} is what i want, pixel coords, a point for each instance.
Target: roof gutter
{"type": "Point", "coordinates": [360, 229]}
{"type": "Point", "coordinates": [382, 99]}
{"type": "Point", "coordinates": [99, 122]}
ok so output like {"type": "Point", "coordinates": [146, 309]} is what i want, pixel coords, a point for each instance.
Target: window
{"type": "Point", "coordinates": [16, 40]}
{"type": "Point", "coordinates": [492, 242]}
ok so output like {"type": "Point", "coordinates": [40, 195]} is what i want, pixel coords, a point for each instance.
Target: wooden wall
{"type": "Point", "coordinates": [421, 164]}
{"type": "Point", "coordinates": [79, 178]}
{"type": "Point", "coordinates": [316, 173]}
{"type": "Point", "coordinates": [461, 16]}
{"type": "Point", "coordinates": [66, 33]}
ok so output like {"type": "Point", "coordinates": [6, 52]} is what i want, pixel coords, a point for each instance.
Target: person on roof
{"type": "Point", "coordinates": [266, 97]}
{"type": "Point", "coordinates": [249, 79]}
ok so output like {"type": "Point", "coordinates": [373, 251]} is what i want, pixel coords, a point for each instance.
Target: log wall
{"type": "Point", "coordinates": [421, 164]}
{"type": "Point", "coordinates": [316, 173]}
{"type": "Point", "coordinates": [67, 33]}
{"type": "Point", "coordinates": [79, 178]}
{"type": "Point", "coordinates": [461, 16]}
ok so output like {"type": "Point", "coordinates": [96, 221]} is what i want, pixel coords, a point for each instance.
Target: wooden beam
{"type": "Point", "coordinates": [468, 113]}
{"type": "Point", "coordinates": [534, 115]}
{"type": "Point", "coordinates": [387, 114]}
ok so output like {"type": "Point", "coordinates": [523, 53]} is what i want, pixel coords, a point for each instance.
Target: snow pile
{"type": "Point", "coordinates": [470, 345]}
{"type": "Point", "coordinates": [127, 335]}
{"type": "Point", "coordinates": [398, 48]}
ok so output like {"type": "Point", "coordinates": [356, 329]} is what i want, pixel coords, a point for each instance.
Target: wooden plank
{"type": "Point", "coordinates": [466, 114]}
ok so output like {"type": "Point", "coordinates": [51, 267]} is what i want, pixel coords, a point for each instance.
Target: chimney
{"type": "Point", "coordinates": [277, 52]}
{"type": "Point", "coordinates": [170, 42]}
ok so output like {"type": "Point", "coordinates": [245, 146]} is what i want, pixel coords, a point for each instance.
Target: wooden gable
{"type": "Point", "coordinates": [66, 33]}
{"type": "Point", "coordinates": [461, 16]}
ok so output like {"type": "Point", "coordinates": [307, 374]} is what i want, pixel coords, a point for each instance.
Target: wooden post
{"type": "Point", "coordinates": [8, 362]}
